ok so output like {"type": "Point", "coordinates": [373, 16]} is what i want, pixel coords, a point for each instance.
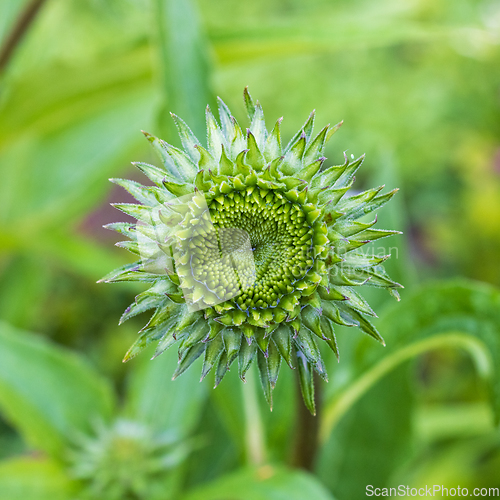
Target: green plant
{"type": "Point", "coordinates": [252, 248]}
{"type": "Point", "coordinates": [51, 396]}
{"type": "Point", "coordinates": [372, 414]}
{"type": "Point", "coordinates": [417, 86]}
{"type": "Point", "coordinates": [87, 444]}
{"type": "Point", "coordinates": [90, 447]}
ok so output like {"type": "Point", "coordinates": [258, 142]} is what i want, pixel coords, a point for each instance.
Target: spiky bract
{"type": "Point", "coordinates": [252, 249]}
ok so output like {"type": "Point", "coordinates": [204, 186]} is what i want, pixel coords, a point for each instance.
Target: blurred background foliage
{"type": "Point", "coordinates": [417, 85]}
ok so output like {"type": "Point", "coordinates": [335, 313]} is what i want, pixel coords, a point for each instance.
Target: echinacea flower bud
{"type": "Point", "coordinates": [251, 249]}
{"type": "Point", "coordinates": [124, 459]}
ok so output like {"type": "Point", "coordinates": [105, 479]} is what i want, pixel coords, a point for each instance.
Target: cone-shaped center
{"type": "Point", "coordinates": [263, 247]}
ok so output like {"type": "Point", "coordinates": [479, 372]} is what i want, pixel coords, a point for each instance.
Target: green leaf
{"type": "Point", "coordinates": [356, 300]}
{"type": "Point", "coordinates": [227, 124]}
{"type": "Point", "coordinates": [157, 400]}
{"type": "Point", "coordinates": [273, 362]}
{"type": "Point", "coordinates": [55, 175]}
{"type": "Point", "coordinates": [215, 138]}
{"type": "Point", "coordinates": [141, 193]}
{"type": "Point", "coordinates": [266, 483]}
{"type": "Point", "coordinates": [188, 139]}
{"type": "Point", "coordinates": [361, 322]}
{"type": "Point", "coordinates": [149, 299]}
{"type": "Point", "coordinates": [310, 170]}
{"type": "Point", "coordinates": [372, 205]}
{"type": "Point", "coordinates": [306, 343]}
{"type": "Point", "coordinates": [258, 126]}
{"type": "Point", "coordinates": [35, 479]}
{"type": "Point", "coordinates": [184, 63]}
{"type": "Point", "coordinates": [221, 369]}
{"type": "Point", "coordinates": [460, 314]}
{"type": "Point", "coordinates": [368, 445]}
{"type": "Point", "coordinates": [293, 158]}
{"type": "Point", "coordinates": [462, 306]}
{"type": "Point", "coordinates": [154, 174]}
{"type": "Point", "coordinates": [315, 148]}
{"type": "Point", "coordinates": [185, 166]}
{"type": "Point", "coordinates": [306, 129]}
{"type": "Point", "coordinates": [46, 392]}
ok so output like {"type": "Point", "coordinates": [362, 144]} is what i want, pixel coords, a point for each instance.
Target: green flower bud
{"type": "Point", "coordinates": [252, 249]}
{"type": "Point", "coordinates": [122, 460]}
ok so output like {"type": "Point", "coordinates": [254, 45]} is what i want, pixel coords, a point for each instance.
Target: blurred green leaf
{"type": "Point", "coordinates": [280, 424]}
{"type": "Point", "coordinates": [25, 284]}
{"type": "Point", "coordinates": [266, 483]}
{"type": "Point", "coordinates": [47, 393]}
{"type": "Point", "coordinates": [185, 65]}
{"type": "Point", "coordinates": [218, 452]}
{"type": "Point", "coordinates": [157, 400]}
{"type": "Point", "coordinates": [368, 445]}
{"type": "Point", "coordinates": [469, 307]}
{"type": "Point", "coordinates": [298, 40]}
{"type": "Point", "coordinates": [64, 130]}
{"type": "Point", "coordinates": [73, 251]}
{"type": "Point", "coordinates": [457, 314]}
{"type": "Point", "coordinates": [343, 401]}
{"type": "Point", "coordinates": [228, 400]}
{"type": "Point", "coordinates": [49, 179]}
{"type": "Point", "coordinates": [470, 463]}
{"type": "Point", "coordinates": [438, 422]}
{"type": "Point", "coordinates": [57, 154]}
{"type": "Point", "coordinates": [34, 479]}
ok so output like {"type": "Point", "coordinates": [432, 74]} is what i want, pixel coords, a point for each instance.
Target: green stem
{"type": "Point", "coordinates": [336, 408]}
{"type": "Point", "coordinates": [307, 428]}
{"type": "Point", "coordinates": [19, 31]}
{"type": "Point", "coordinates": [254, 430]}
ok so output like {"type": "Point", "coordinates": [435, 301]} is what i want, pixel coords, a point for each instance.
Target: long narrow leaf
{"type": "Point", "coordinates": [48, 393]}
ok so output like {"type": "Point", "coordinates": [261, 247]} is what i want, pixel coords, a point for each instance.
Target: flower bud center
{"type": "Point", "coordinates": [263, 246]}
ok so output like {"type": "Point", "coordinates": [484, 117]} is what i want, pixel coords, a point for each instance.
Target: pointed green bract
{"type": "Point", "coordinates": [253, 251]}
{"type": "Point", "coordinates": [306, 380]}
{"type": "Point", "coordinates": [221, 369]}
{"type": "Point", "coordinates": [188, 139]}
{"type": "Point", "coordinates": [283, 342]}
{"type": "Point", "coordinates": [212, 353]}
{"type": "Point", "coordinates": [246, 356]}
{"type": "Point", "coordinates": [264, 378]}
{"type": "Point", "coordinates": [273, 364]}
{"type": "Point", "coordinates": [232, 342]}
{"type": "Point", "coordinates": [189, 357]}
